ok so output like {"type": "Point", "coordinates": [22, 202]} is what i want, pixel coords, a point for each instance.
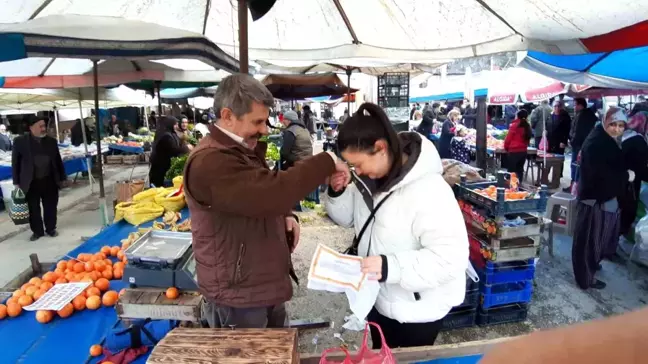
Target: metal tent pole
{"type": "Point", "coordinates": [85, 143]}
{"type": "Point", "coordinates": [102, 193]}
{"type": "Point", "coordinates": [349, 72]}
{"type": "Point", "coordinates": [56, 126]}
{"type": "Point", "coordinates": [243, 35]}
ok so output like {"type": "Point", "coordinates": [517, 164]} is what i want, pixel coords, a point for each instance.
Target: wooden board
{"type": "Point", "coordinates": [25, 276]}
{"type": "Point", "coordinates": [424, 353]}
{"type": "Point", "coordinates": [215, 346]}
{"type": "Point", "coordinates": [152, 303]}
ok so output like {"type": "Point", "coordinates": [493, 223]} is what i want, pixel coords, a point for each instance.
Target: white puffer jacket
{"type": "Point", "coordinates": [420, 230]}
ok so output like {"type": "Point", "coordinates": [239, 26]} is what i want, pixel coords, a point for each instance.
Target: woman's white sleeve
{"type": "Point", "coordinates": [441, 230]}
{"type": "Point", "coordinates": [340, 208]}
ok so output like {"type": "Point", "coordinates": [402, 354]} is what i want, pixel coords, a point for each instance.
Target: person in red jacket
{"type": "Point", "coordinates": [517, 142]}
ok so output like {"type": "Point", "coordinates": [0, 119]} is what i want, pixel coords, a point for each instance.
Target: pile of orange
{"type": "Point", "coordinates": [509, 195]}
{"type": "Point", "coordinates": [97, 269]}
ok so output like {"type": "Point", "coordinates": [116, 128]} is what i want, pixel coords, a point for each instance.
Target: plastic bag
{"type": "Point", "coordinates": [18, 209]}
{"type": "Point", "coordinates": [147, 195]}
{"type": "Point", "coordinates": [143, 212]}
{"type": "Point", "coordinates": [177, 182]}
{"type": "Point", "coordinates": [543, 143]}
{"type": "Point", "coordinates": [170, 203]}
{"type": "Point", "coordinates": [365, 355]}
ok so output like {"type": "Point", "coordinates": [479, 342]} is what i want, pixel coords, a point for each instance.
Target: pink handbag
{"type": "Point", "coordinates": [365, 355]}
{"type": "Point", "coordinates": [543, 144]}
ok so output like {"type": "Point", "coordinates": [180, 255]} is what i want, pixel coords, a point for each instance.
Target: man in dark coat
{"type": "Point", "coordinates": [38, 170]}
{"type": "Point", "coordinates": [581, 126]}
{"type": "Point", "coordinates": [558, 133]}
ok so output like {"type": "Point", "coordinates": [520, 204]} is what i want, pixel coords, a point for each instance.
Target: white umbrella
{"type": "Point", "coordinates": [413, 31]}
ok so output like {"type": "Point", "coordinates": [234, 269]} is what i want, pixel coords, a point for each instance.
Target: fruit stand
{"type": "Point", "coordinates": [504, 235]}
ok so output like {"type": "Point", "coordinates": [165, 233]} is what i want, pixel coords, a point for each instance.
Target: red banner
{"type": "Point", "coordinates": [544, 93]}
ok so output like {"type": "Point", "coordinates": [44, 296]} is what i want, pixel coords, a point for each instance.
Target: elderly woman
{"type": "Point", "coordinates": [603, 177]}
{"type": "Point", "coordinates": [458, 148]}
{"type": "Point", "coordinates": [447, 133]}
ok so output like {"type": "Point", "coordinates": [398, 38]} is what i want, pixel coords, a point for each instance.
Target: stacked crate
{"type": "Point", "coordinates": [502, 253]}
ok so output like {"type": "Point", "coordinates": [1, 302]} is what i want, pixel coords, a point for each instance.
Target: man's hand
{"type": "Point", "coordinates": [293, 226]}
{"type": "Point", "coordinates": [372, 266]}
{"type": "Point", "coordinates": [341, 178]}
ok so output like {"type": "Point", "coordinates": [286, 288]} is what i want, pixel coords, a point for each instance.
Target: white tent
{"type": "Point", "coordinates": [351, 32]}
{"type": "Point", "coordinates": [48, 99]}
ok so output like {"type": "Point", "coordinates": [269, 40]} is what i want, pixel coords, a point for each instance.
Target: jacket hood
{"type": "Point", "coordinates": [423, 159]}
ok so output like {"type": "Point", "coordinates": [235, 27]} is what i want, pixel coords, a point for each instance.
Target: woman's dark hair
{"type": "Point", "coordinates": [523, 115]}
{"type": "Point", "coordinates": [360, 133]}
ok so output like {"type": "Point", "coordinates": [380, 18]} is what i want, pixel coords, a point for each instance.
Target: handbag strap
{"type": "Point", "coordinates": [371, 216]}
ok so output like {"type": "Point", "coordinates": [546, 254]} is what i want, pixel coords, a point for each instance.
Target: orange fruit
{"type": "Point", "coordinates": [36, 281]}
{"type": "Point", "coordinates": [95, 275]}
{"type": "Point", "coordinates": [100, 256]}
{"type": "Point", "coordinates": [70, 264]}
{"type": "Point", "coordinates": [172, 293]}
{"type": "Point", "coordinates": [60, 272]}
{"type": "Point", "coordinates": [120, 255]}
{"type": "Point", "coordinates": [31, 290]}
{"type": "Point", "coordinates": [61, 280]}
{"type": "Point", "coordinates": [118, 265]}
{"type": "Point", "coordinates": [25, 286]}
{"type": "Point", "coordinates": [103, 284]}
{"type": "Point", "coordinates": [93, 291]}
{"type": "Point", "coordinates": [100, 265]}
{"type": "Point", "coordinates": [46, 286]}
{"type": "Point", "coordinates": [18, 293]}
{"type": "Point", "coordinates": [110, 298]}
{"type": "Point", "coordinates": [38, 294]}
{"type": "Point", "coordinates": [3, 311]}
{"type": "Point", "coordinates": [118, 274]}
{"type": "Point", "coordinates": [114, 250]}
{"type": "Point", "coordinates": [25, 300]}
{"type": "Point", "coordinates": [44, 316]}
{"type": "Point", "coordinates": [79, 303]}
{"type": "Point", "coordinates": [49, 277]}
{"type": "Point", "coordinates": [108, 274]}
{"type": "Point", "coordinates": [11, 300]}
{"type": "Point", "coordinates": [93, 302]}
{"type": "Point", "coordinates": [13, 309]}
{"type": "Point", "coordinates": [66, 311]}
{"type": "Point", "coordinates": [88, 266]}
{"type": "Point", "coordinates": [96, 350]}
{"type": "Point", "coordinates": [108, 262]}
{"type": "Point", "coordinates": [61, 265]}
{"type": "Point", "coordinates": [79, 267]}
{"type": "Point", "coordinates": [69, 276]}
{"type": "Point", "coordinates": [105, 250]}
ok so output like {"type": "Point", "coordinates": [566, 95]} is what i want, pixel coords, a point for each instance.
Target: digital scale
{"type": "Point", "coordinates": [161, 259]}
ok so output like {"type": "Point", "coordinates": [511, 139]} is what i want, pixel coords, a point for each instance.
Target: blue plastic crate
{"type": "Point", "coordinates": [314, 196]}
{"type": "Point", "coordinates": [502, 314]}
{"type": "Point", "coordinates": [507, 272]}
{"type": "Point", "coordinates": [507, 293]}
{"type": "Point", "coordinates": [459, 318]}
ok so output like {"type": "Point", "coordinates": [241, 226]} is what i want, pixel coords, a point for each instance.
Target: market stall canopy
{"type": "Point", "coordinates": [598, 92]}
{"type": "Point", "coordinates": [414, 31]}
{"type": "Point", "coordinates": [289, 87]}
{"type": "Point", "coordinates": [369, 67]}
{"type": "Point", "coordinates": [188, 92]}
{"type": "Point", "coordinates": [48, 99]}
{"type": "Point", "coordinates": [102, 37]}
{"type": "Point", "coordinates": [623, 69]}
{"type": "Point", "coordinates": [74, 73]}
{"type": "Point", "coordinates": [518, 84]}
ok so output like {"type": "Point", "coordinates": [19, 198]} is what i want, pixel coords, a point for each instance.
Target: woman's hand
{"type": "Point", "coordinates": [341, 178]}
{"type": "Point", "coordinates": [372, 266]}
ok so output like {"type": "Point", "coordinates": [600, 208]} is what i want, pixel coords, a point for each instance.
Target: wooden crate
{"type": "Point", "coordinates": [114, 159]}
{"type": "Point", "coordinates": [241, 346]}
{"type": "Point", "coordinates": [131, 159]}
{"type": "Point", "coordinates": [144, 158]}
{"type": "Point", "coordinates": [142, 303]}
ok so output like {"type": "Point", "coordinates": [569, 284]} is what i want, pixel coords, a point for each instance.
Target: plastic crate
{"type": "Point", "coordinates": [481, 252]}
{"type": "Point", "coordinates": [502, 314]}
{"type": "Point", "coordinates": [314, 196]}
{"type": "Point", "coordinates": [499, 207]}
{"type": "Point", "coordinates": [506, 293]}
{"type": "Point", "coordinates": [459, 318]}
{"type": "Point", "coordinates": [507, 272]}
{"type": "Point", "coordinates": [471, 299]}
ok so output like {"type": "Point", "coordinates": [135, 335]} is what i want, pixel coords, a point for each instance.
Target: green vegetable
{"type": "Point", "coordinates": [273, 152]}
{"type": "Point", "coordinates": [192, 140]}
{"type": "Point", "coordinates": [309, 205]}
{"type": "Point", "coordinates": [177, 167]}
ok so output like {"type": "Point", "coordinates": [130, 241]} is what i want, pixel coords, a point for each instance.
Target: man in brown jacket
{"type": "Point", "coordinates": [242, 226]}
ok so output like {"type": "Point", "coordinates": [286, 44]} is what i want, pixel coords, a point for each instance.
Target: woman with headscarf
{"type": "Point", "coordinates": [458, 148]}
{"type": "Point", "coordinates": [603, 177]}
{"type": "Point", "coordinates": [447, 133]}
{"type": "Point", "coordinates": [166, 145]}
{"type": "Point", "coordinates": [635, 155]}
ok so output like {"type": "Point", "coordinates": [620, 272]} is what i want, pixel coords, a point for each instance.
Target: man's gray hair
{"type": "Point", "coordinates": [237, 93]}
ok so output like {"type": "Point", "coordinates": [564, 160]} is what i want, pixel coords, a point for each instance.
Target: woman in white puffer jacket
{"type": "Point", "coordinates": [416, 245]}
